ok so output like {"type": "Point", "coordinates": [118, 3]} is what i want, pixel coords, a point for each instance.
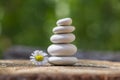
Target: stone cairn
{"type": "Point", "coordinates": [62, 51]}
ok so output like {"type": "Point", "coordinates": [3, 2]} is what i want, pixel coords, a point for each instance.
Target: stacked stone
{"type": "Point", "coordinates": [62, 50]}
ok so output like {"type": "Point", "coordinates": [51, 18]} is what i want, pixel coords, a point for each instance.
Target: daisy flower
{"type": "Point", "coordinates": [39, 57]}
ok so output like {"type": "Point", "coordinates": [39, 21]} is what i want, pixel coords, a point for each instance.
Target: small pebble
{"type": "Point", "coordinates": [62, 49]}
{"type": "Point", "coordinates": [62, 38]}
{"type": "Point", "coordinates": [64, 22]}
{"type": "Point", "coordinates": [63, 60]}
{"type": "Point", "coordinates": [63, 29]}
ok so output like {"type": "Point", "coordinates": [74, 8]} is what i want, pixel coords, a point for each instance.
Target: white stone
{"type": "Point", "coordinates": [63, 60]}
{"type": "Point", "coordinates": [62, 38]}
{"type": "Point", "coordinates": [64, 22]}
{"type": "Point", "coordinates": [62, 49]}
{"type": "Point", "coordinates": [63, 29]}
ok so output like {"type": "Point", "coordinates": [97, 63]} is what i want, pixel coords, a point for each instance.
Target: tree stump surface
{"type": "Point", "coordinates": [83, 70]}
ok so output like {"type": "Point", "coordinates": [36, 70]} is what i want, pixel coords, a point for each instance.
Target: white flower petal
{"type": "Point", "coordinates": [38, 52]}
{"type": "Point", "coordinates": [44, 62]}
{"type": "Point", "coordinates": [44, 54]}
{"type": "Point", "coordinates": [32, 57]}
{"type": "Point", "coordinates": [45, 58]}
{"type": "Point", "coordinates": [33, 54]}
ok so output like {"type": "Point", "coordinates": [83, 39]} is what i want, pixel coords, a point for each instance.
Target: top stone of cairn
{"type": "Point", "coordinates": [64, 22]}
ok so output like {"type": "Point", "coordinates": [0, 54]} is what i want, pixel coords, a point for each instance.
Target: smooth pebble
{"type": "Point", "coordinates": [62, 38]}
{"type": "Point", "coordinates": [63, 29]}
{"type": "Point", "coordinates": [64, 22]}
{"type": "Point", "coordinates": [63, 60]}
{"type": "Point", "coordinates": [62, 49]}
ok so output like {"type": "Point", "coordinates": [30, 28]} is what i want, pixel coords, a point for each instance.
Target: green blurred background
{"type": "Point", "coordinates": [30, 22]}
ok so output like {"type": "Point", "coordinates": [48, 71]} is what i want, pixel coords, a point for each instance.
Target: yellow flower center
{"type": "Point", "coordinates": [39, 57]}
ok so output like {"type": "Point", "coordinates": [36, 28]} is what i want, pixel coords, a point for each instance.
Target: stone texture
{"type": "Point", "coordinates": [64, 22]}
{"type": "Point", "coordinates": [63, 60]}
{"type": "Point", "coordinates": [62, 38]}
{"type": "Point", "coordinates": [62, 49]}
{"type": "Point", "coordinates": [63, 29]}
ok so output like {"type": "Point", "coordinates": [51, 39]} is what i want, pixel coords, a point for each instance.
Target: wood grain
{"type": "Point", "coordinates": [83, 70]}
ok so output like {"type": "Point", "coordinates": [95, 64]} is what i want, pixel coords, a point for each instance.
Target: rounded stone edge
{"type": "Point", "coordinates": [67, 29]}
{"type": "Point", "coordinates": [63, 64]}
{"type": "Point", "coordinates": [55, 45]}
{"type": "Point", "coordinates": [64, 22]}
{"type": "Point", "coordinates": [66, 38]}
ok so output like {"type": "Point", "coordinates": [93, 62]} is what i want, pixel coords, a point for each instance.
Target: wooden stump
{"type": "Point", "coordinates": [83, 70]}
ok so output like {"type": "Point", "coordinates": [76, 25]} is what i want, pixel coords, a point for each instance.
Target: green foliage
{"type": "Point", "coordinates": [30, 22]}
{"type": "Point", "coordinates": [97, 23]}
